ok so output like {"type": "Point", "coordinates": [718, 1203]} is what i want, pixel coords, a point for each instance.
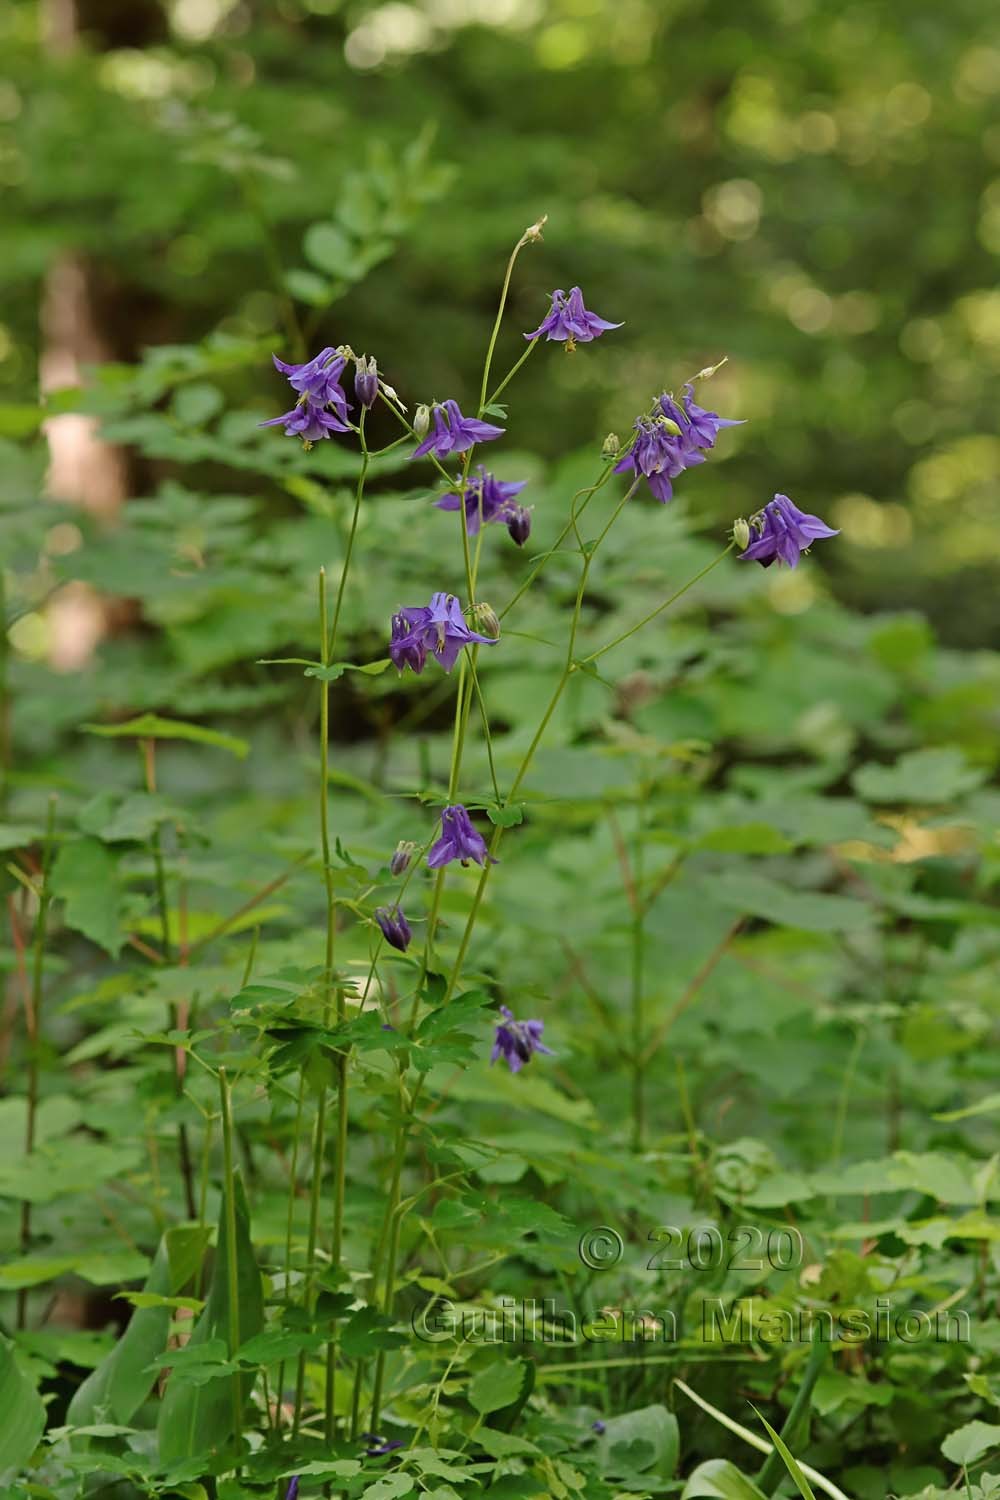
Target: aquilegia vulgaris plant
{"type": "Point", "coordinates": [673, 434]}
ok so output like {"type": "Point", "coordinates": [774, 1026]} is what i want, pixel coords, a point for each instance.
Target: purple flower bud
{"type": "Point", "coordinates": [598, 1426]}
{"type": "Point", "coordinates": [401, 856]}
{"type": "Point", "coordinates": [395, 927]}
{"type": "Point", "coordinates": [366, 381]}
{"type": "Point", "coordinates": [519, 524]}
{"type": "Point", "coordinates": [293, 1488]}
{"type": "Point", "coordinates": [378, 1445]}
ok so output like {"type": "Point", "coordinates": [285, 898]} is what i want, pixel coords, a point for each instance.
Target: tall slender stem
{"type": "Point", "coordinates": [232, 1272]}
{"type": "Point", "coordinates": [626, 634]}
{"type": "Point", "coordinates": [526, 239]}
{"type": "Point", "coordinates": [638, 963]}
{"type": "Point", "coordinates": [349, 553]}
{"type": "Point", "coordinates": [33, 1024]}
{"type": "Point", "coordinates": [4, 697]}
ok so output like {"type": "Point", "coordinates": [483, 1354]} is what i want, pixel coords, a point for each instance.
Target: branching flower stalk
{"type": "Point", "coordinates": [672, 435]}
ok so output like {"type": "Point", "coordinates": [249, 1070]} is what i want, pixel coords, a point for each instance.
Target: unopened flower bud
{"type": "Point", "coordinates": [366, 381]}
{"type": "Point", "coordinates": [610, 445]}
{"type": "Point", "coordinates": [401, 856]}
{"type": "Point", "coordinates": [519, 524]}
{"type": "Point", "coordinates": [421, 420]}
{"type": "Point", "coordinates": [669, 425]}
{"type": "Point", "coordinates": [741, 533]}
{"type": "Point", "coordinates": [394, 926]}
{"type": "Point", "coordinates": [486, 621]}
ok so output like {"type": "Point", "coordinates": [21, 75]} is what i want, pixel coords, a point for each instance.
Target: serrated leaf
{"type": "Point", "coordinates": [85, 876]}
{"type": "Point", "coordinates": [497, 1386]}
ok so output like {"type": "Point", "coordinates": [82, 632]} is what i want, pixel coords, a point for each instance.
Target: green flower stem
{"type": "Point", "coordinates": [637, 976]}
{"type": "Point", "coordinates": [229, 1200]}
{"type": "Point", "coordinates": [505, 382]}
{"type": "Point", "coordinates": [626, 634]}
{"type": "Point", "coordinates": [570, 667]}
{"type": "Point", "coordinates": [293, 1175]}
{"type": "Point", "coordinates": [33, 1027]}
{"type": "Point", "coordinates": [348, 555]}
{"type": "Point", "coordinates": [5, 734]}
{"type": "Point", "coordinates": [526, 239]}
{"type": "Point", "coordinates": [390, 1237]}
{"type": "Point", "coordinates": [575, 513]}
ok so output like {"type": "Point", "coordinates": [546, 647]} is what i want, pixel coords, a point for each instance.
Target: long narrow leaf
{"type": "Point", "coordinates": [198, 1419]}
{"type": "Point", "coordinates": [22, 1414]}
{"type": "Point", "coordinates": [116, 1389]}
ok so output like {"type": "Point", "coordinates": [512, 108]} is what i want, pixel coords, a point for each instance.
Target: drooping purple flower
{"type": "Point", "coordinates": [451, 432]}
{"type": "Point", "coordinates": [308, 421]}
{"type": "Point", "coordinates": [701, 427]}
{"type": "Point", "coordinates": [486, 499]}
{"type": "Point", "coordinates": [459, 840]}
{"type": "Point", "coordinates": [378, 1445]}
{"type": "Point", "coordinates": [659, 455]}
{"type": "Point", "coordinates": [517, 1041]}
{"type": "Point", "coordinates": [438, 627]}
{"type": "Point", "coordinates": [784, 533]}
{"type": "Point", "coordinates": [293, 1488]}
{"type": "Point", "coordinates": [395, 927]}
{"type": "Point", "coordinates": [568, 321]}
{"type": "Point", "coordinates": [519, 524]}
{"type": "Point", "coordinates": [318, 378]}
{"type": "Point", "coordinates": [598, 1426]}
{"type": "Point", "coordinates": [366, 381]}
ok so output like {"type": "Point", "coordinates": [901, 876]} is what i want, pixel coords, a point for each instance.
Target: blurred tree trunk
{"type": "Point", "coordinates": [82, 467]}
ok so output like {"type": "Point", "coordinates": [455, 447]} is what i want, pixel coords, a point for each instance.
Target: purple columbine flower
{"type": "Point", "coordinates": [517, 1041]}
{"type": "Point", "coordinates": [378, 1445]}
{"type": "Point", "coordinates": [598, 1426]}
{"type": "Point", "coordinates": [569, 322]}
{"type": "Point", "coordinates": [659, 455]}
{"type": "Point", "coordinates": [451, 432]}
{"type": "Point", "coordinates": [486, 499]}
{"type": "Point", "coordinates": [699, 426]}
{"type": "Point", "coordinates": [293, 1488]}
{"type": "Point", "coordinates": [318, 378]}
{"type": "Point", "coordinates": [308, 421]}
{"type": "Point", "coordinates": [785, 532]}
{"type": "Point", "coordinates": [459, 840]}
{"type": "Point", "coordinates": [395, 927]}
{"type": "Point", "coordinates": [438, 627]}
{"type": "Point", "coordinates": [366, 381]}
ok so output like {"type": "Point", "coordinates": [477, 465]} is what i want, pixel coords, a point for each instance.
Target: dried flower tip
{"type": "Point", "coordinates": [710, 370]}
{"type": "Point", "coordinates": [534, 231]}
